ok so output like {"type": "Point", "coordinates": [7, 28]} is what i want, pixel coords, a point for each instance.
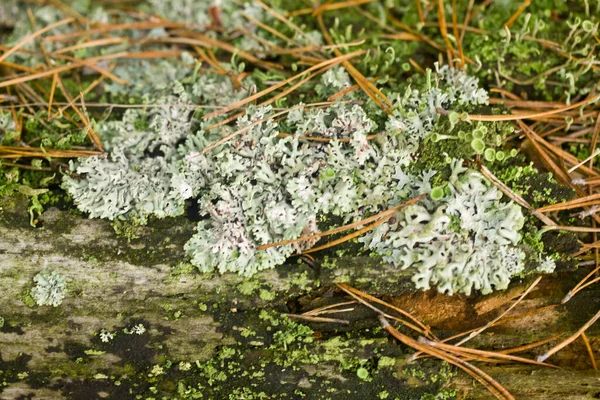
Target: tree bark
{"type": "Point", "coordinates": [230, 331]}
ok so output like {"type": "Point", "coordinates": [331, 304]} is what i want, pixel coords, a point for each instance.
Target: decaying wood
{"type": "Point", "coordinates": [113, 283]}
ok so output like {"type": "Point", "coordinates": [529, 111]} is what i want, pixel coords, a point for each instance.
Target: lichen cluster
{"type": "Point", "coordinates": [262, 187]}
{"type": "Point", "coordinates": [287, 168]}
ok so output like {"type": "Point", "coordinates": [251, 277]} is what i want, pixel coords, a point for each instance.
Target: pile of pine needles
{"type": "Point", "coordinates": [541, 124]}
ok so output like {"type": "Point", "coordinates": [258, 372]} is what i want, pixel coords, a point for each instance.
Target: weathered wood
{"type": "Point", "coordinates": [55, 353]}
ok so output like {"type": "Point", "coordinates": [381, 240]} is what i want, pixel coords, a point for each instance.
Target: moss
{"type": "Point", "coordinates": [267, 295]}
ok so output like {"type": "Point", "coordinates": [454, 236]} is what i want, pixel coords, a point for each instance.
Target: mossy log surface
{"type": "Point", "coordinates": [215, 337]}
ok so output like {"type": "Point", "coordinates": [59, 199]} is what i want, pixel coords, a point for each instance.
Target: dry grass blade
{"type": "Point", "coordinates": [51, 98]}
{"type": "Point", "coordinates": [320, 139]}
{"type": "Point", "coordinates": [497, 323]}
{"type": "Point", "coordinates": [582, 284]}
{"type": "Point", "coordinates": [571, 339]}
{"type": "Point", "coordinates": [350, 236]}
{"type": "Point", "coordinates": [595, 138]}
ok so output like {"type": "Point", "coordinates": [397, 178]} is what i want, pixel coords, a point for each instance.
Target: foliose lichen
{"type": "Point", "coordinates": [50, 288]}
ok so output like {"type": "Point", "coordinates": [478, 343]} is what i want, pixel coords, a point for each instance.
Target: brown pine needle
{"type": "Point", "coordinates": [369, 88]}
{"type": "Point", "coordinates": [333, 231]}
{"type": "Point", "coordinates": [91, 43]}
{"type": "Point", "coordinates": [328, 309]}
{"type": "Point", "coordinates": [493, 386]}
{"type": "Point", "coordinates": [361, 296]}
{"type": "Point", "coordinates": [517, 13]}
{"type": "Point", "coordinates": [52, 89]}
{"type": "Point", "coordinates": [582, 229]}
{"type": "Point", "coordinates": [489, 354]}
{"type": "Point", "coordinates": [571, 339]}
{"type": "Point", "coordinates": [516, 117]}
{"type": "Point", "coordinates": [285, 20]}
{"type": "Point", "coordinates": [249, 99]}
{"type": "Point", "coordinates": [340, 5]}
{"type": "Point", "coordinates": [497, 323]}
{"type": "Point", "coordinates": [420, 11]}
{"type": "Point", "coordinates": [86, 91]}
{"type": "Point", "coordinates": [30, 152]}
{"type": "Point", "coordinates": [575, 203]}
{"type": "Point", "coordinates": [33, 36]}
{"type": "Point", "coordinates": [366, 228]}
{"type": "Point", "coordinates": [455, 33]}
{"type": "Point", "coordinates": [514, 196]}
{"type": "Point", "coordinates": [208, 42]}
{"type": "Point", "coordinates": [242, 130]}
{"type": "Point", "coordinates": [87, 62]}
{"type": "Point", "coordinates": [317, 319]}
{"type": "Point", "coordinates": [111, 28]}
{"type": "Point", "coordinates": [443, 28]}
{"type": "Point", "coordinates": [531, 345]}
{"type": "Point", "coordinates": [498, 318]}
{"type": "Point", "coordinates": [589, 350]}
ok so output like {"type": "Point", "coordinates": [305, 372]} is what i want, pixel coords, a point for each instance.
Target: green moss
{"type": "Point", "coordinates": [267, 295]}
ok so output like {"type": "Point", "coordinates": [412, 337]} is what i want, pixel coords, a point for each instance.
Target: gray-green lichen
{"type": "Point", "coordinates": [282, 173]}
{"type": "Point", "coordinates": [259, 188]}
{"type": "Point", "coordinates": [50, 288]}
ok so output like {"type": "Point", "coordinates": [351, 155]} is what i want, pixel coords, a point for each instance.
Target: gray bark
{"type": "Point", "coordinates": [54, 353]}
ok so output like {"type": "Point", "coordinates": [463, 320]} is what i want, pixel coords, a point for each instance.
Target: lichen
{"type": "Point", "coordinates": [259, 188]}
{"type": "Point", "coordinates": [50, 288]}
